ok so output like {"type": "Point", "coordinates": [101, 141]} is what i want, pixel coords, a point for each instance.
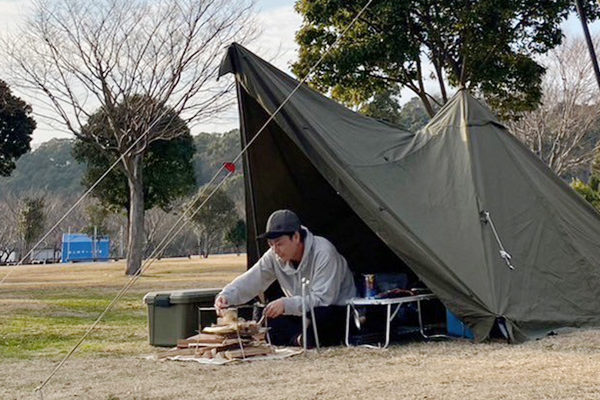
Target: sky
{"type": "Point", "coordinates": [278, 22]}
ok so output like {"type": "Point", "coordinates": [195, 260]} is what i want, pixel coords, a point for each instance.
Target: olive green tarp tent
{"type": "Point", "coordinates": [388, 198]}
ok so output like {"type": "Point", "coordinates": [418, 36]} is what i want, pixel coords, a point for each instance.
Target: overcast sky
{"type": "Point", "coordinates": [277, 20]}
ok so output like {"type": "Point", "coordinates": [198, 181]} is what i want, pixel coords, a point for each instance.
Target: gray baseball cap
{"type": "Point", "coordinates": [281, 222]}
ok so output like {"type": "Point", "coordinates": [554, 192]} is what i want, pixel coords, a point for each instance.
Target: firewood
{"type": "Point", "coordinates": [247, 328]}
{"type": "Point", "coordinates": [204, 338]}
{"type": "Point", "coordinates": [176, 352]}
{"type": "Point", "coordinates": [248, 352]}
{"type": "Point", "coordinates": [224, 342]}
{"type": "Point", "coordinates": [220, 330]}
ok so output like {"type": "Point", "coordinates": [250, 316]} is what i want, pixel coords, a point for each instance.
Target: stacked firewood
{"type": "Point", "coordinates": [232, 338]}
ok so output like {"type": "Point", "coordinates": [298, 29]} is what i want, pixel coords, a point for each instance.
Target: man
{"type": "Point", "coordinates": [295, 253]}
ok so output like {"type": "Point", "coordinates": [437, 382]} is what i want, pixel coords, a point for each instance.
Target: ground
{"type": "Point", "coordinates": [114, 364]}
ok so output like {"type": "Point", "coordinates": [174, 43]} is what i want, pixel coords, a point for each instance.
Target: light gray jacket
{"type": "Point", "coordinates": [331, 282]}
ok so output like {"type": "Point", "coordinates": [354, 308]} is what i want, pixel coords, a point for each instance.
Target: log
{"type": "Point", "coordinates": [248, 352]}
{"type": "Point", "coordinates": [176, 352]}
{"type": "Point", "coordinates": [226, 343]}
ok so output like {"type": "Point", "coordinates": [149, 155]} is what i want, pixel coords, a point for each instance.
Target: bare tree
{"type": "Point", "coordinates": [158, 225]}
{"type": "Point", "coordinates": [10, 236]}
{"type": "Point", "coordinates": [564, 131]}
{"type": "Point", "coordinates": [213, 220]}
{"type": "Point", "coordinates": [116, 54]}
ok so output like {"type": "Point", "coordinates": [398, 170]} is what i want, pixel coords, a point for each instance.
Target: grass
{"type": "Point", "coordinates": [44, 310]}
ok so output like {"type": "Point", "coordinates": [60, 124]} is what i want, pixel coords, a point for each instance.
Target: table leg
{"type": "Point", "coordinates": [347, 325]}
{"type": "Point", "coordinates": [387, 325]}
{"type": "Point", "coordinates": [421, 329]}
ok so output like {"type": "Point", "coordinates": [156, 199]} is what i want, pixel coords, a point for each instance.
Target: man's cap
{"type": "Point", "coordinates": [281, 222]}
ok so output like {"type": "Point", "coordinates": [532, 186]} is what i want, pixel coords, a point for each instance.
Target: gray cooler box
{"type": "Point", "coordinates": [173, 315]}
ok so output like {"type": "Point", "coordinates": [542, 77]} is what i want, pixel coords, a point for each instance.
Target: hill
{"type": "Point", "coordinates": [52, 168]}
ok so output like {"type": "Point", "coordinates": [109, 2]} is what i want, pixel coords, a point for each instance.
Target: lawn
{"type": "Point", "coordinates": [44, 310]}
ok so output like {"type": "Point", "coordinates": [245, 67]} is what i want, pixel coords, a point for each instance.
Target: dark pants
{"type": "Point", "coordinates": [331, 320]}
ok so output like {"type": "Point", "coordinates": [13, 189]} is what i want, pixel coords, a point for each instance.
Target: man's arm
{"type": "Point", "coordinates": [248, 285]}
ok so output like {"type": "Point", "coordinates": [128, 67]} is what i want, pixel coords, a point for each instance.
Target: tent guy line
{"type": "Point", "coordinates": [149, 261]}
{"type": "Point", "coordinates": [39, 389]}
{"type": "Point", "coordinates": [486, 218]}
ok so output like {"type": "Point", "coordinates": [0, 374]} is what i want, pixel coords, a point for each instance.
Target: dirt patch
{"type": "Point", "coordinates": [559, 367]}
{"type": "Point", "coordinates": [11, 306]}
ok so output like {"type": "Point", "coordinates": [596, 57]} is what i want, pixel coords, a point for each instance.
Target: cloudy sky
{"type": "Point", "coordinates": [277, 20]}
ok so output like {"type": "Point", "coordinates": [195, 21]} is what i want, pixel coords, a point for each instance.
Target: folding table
{"type": "Point", "coordinates": [397, 302]}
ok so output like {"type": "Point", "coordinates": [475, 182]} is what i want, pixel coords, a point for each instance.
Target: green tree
{"type": "Point", "coordinates": [414, 116]}
{"type": "Point", "coordinates": [213, 149]}
{"type": "Point", "coordinates": [165, 171]}
{"type": "Point", "coordinates": [32, 222]}
{"type": "Point", "coordinates": [383, 106]}
{"type": "Point", "coordinates": [16, 128]}
{"type": "Point", "coordinates": [236, 235]}
{"type": "Point", "coordinates": [489, 47]}
{"type": "Point", "coordinates": [213, 220]}
{"type": "Point", "coordinates": [589, 191]}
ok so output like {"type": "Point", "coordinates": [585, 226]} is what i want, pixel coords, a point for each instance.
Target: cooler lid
{"type": "Point", "coordinates": [183, 296]}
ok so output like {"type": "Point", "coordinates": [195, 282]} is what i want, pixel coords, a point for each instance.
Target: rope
{"type": "Point", "coordinates": [161, 247]}
{"type": "Point", "coordinates": [485, 215]}
{"type": "Point", "coordinates": [302, 81]}
{"type": "Point", "coordinates": [239, 338]}
{"type": "Point", "coordinates": [127, 286]}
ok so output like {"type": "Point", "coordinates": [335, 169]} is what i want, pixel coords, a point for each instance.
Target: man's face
{"type": "Point", "coordinates": [287, 248]}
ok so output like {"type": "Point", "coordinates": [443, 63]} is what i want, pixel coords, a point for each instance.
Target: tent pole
{"type": "Point", "coordinates": [588, 39]}
{"type": "Point", "coordinates": [248, 175]}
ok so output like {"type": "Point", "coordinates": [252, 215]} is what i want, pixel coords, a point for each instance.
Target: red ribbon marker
{"type": "Point", "coordinates": [229, 167]}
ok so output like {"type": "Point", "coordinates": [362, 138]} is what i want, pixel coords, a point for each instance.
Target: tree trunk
{"type": "Point", "coordinates": [135, 242]}
{"type": "Point", "coordinates": [206, 246]}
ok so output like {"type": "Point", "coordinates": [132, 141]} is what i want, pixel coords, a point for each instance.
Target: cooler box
{"type": "Point", "coordinates": [173, 315]}
{"type": "Point", "coordinates": [456, 327]}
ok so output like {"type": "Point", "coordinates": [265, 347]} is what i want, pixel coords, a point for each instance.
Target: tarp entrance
{"type": "Point", "coordinates": [286, 178]}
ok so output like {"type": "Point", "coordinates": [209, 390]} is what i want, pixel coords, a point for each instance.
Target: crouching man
{"type": "Point", "coordinates": [295, 253]}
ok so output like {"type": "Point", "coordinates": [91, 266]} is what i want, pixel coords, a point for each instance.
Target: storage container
{"type": "Point", "coordinates": [173, 315]}
{"type": "Point", "coordinates": [456, 327]}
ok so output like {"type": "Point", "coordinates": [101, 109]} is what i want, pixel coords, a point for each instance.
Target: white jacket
{"type": "Point", "coordinates": [331, 282]}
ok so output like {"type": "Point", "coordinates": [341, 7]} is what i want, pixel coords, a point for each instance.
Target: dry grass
{"type": "Point", "coordinates": [565, 366]}
{"type": "Point", "coordinates": [214, 271]}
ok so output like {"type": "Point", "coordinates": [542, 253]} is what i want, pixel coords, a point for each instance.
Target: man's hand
{"type": "Point", "coordinates": [221, 303]}
{"type": "Point", "coordinates": [275, 308]}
